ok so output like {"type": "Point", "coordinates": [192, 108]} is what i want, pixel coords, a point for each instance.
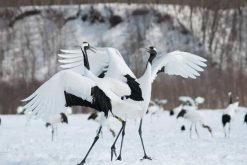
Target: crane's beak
{"type": "Point", "coordinates": [93, 49]}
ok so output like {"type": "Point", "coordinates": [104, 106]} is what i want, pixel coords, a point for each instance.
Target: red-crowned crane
{"type": "Point", "coordinates": [108, 85]}
{"type": "Point", "coordinates": [195, 117]}
{"type": "Point", "coordinates": [228, 114]}
{"type": "Point", "coordinates": [54, 120]}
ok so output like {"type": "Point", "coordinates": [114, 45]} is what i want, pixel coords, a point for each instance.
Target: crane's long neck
{"type": "Point", "coordinates": [230, 99]}
{"type": "Point", "coordinates": [86, 62]}
{"type": "Point", "coordinates": [146, 84]}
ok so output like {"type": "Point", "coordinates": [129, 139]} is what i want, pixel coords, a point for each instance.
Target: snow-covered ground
{"type": "Point", "coordinates": [30, 144]}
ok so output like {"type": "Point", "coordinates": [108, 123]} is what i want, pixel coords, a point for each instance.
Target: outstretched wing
{"type": "Point", "coordinates": [104, 61]}
{"type": "Point", "coordinates": [199, 100]}
{"type": "Point", "coordinates": [162, 101]}
{"type": "Point", "coordinates": [187, 100]}
{"type": "Point", "coordinates": [74, 60]}
{"type": "Point", "coordinates": [179, 63]}
{"type": "Point", "coordinates": [66, 88]}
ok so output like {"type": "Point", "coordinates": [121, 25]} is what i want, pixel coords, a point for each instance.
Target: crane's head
{"type": "Point", "coordinates": [153, 52]}
{"type": "Point", "coordinates": [86, 46]}
{"type": "Point", "coordinates": [64, 118]}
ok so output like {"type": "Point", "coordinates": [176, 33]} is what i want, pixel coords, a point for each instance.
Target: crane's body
{"type": "Point", "coordinates": [103, 81]}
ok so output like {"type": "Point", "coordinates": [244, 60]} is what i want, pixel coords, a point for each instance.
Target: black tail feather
{"type": "Point", "coordinates": [226, 119]}
{"type": "Point", "coordinates": [245, 118]}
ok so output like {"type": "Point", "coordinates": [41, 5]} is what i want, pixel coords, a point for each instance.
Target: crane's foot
{"type": "Point", "coordinates": [113, 151]}
{"type": "Point", "coordinates": [146, 157]}
{"type": "Point", "coordinates": [82, 162]}
{"type": "Point", "coordinates": [119, 158]}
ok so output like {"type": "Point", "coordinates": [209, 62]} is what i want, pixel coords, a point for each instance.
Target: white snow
{"type": "Point", "coordinates": [30, 144]}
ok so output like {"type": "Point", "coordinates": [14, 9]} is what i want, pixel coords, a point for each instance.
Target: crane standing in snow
{"type": "Point", "coordinates": [228, 114]}
{"type": "Point", "coordinates": [142, 86]}
{"type": "Point", "coordinates": [107, 87]}
{"type": "Point", "coordinates": [195, 117]}
{"type": "Point", "coordinates": [188, 103]}
{"type": "Point", "coordinates": [54, 120]}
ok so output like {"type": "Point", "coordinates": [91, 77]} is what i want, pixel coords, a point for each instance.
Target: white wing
{"type": "Point", "coordinates": [151, 103]}
{"type": "Point", "coordinates": [108, 60]}
{"type": "Point", "coordinates": [49, 99]}
{"type": "Point", "coordinates": [187, 99]}
{"type": "Point", "coordinates": [199, 100]}
{"type": "Point", "coordinates": [180, 63]}
{"type": "Point", "coordinates": [162, 101]}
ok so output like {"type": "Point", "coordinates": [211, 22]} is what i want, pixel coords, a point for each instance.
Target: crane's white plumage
{"type": "Point", "coordinates": [177, 109]}
{"type": "Point", "coordinates": [192, 102]}
{"type": "Point", "coordinates": [129, 97]}
{"type": "Point", "coordinates": [104, 59]}
{"type": "Point", "coordinates": [179, 63]}
{"type": "Point", "coordinates": [199, 100]}
{"type": "Point", "coordinates": [48, 100]}
{"type": "Point", "coordinates": [161, 101]}
{"type": "Point", "coordinates": [187, 100]}
{"type": "Point", "coordinates": [194, 117]}
{"type": "Point", "coordinates": [231, 109]}
{"type": "Point", "coordinates": [156, 106]}
{"type": "Point", "coordinates": [19, 110]}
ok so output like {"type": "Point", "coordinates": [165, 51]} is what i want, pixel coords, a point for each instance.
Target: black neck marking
{"type": "Point", "coordinates": [230, 99]}
{"type": "Point", "coordinates": [151, 58]}
{"type": "Point", "coordinates": [136, 92]}
{"type": "Point", "coordinates": [100, 102]}
{"type": "Point", "coordinates": [86, 62]}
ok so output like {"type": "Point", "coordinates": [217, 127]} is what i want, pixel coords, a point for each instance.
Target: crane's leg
{"type": "Point", "coordinates": [52, 133]}
{"type": "Point", "coordinates": [123, 133]}
{"type": "Point", "coordinates": [196, 131]}
{"type": "Point", "coordinates": [95, 140]}
{"type": "Point", "coordinates": [224, 130]}
{"type": "Point", "coordinates": [229, 130]}
{"type": "Point", "coordinates": [191, 130]}
{"type": "Point", "coordinates": [113, 148]}
{"type": "Point", "coordinates": [140, 133]}
{"type": "Point", "coordinates": [112, 132]}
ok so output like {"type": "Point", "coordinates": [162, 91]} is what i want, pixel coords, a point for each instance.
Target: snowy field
{"type": "Point", "coordinates": [30, 144]}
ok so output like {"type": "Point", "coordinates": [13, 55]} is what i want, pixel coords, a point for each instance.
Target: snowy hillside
{"type": "Point", "coordinates": [31, 144]}
{"type": "Point", "coordinates": [35, 39]}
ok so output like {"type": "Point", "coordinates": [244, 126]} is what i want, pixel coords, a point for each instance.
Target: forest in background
{"type": "Point", "coordinates": [211, 4]}
{"type": "Point", "coordinates": [217, 34]}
